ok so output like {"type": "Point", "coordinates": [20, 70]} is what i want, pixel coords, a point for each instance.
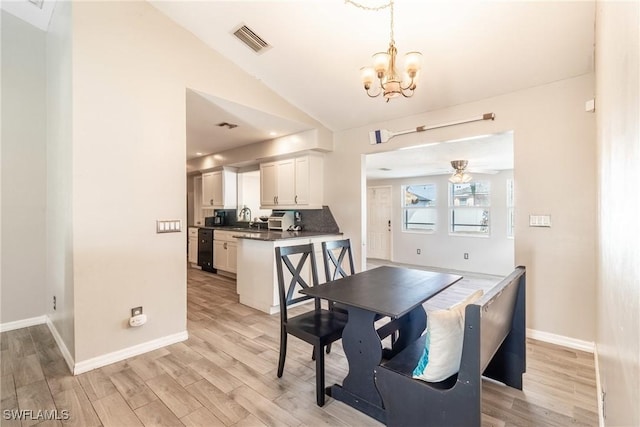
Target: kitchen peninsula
{"type": "Point", "coordinates": [257, 281]}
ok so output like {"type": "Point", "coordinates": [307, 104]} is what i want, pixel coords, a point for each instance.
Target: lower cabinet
{"type": "Point", "coordinates": [192, 246]}
{"type": "Point", "coordinates": [225, 251]}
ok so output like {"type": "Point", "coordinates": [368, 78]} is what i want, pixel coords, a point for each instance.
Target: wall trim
{"type": "Point", "coordinates": [561, 340]}
{"type": "Point", "coordinates": [24, 323]}
{"type": "Point", "coordinates": [598, 387]}
{"type": "Point", "coordinates": [125, 353]}
{"type": "Point", "coordinates": [61, 344]}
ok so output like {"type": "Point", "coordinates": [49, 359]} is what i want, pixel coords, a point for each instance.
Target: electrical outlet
{"type": "Point", "coordinates": [136, 311]}
{"type": "Point", "coordinates": [418, 251]}
{"type": "Point", "coordinates": [54, 302]}
{"type": "Point", "coordinates": [466, 255]}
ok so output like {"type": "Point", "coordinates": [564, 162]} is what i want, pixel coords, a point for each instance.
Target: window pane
{"type": "Point", "coordinates": [475, 193]}
{"type": "Point", "coordinates": [420, 219]}
{"type": "Point", "coordinates": [465, 220]}
{"type": "Point", "coordinates": [420, 195]}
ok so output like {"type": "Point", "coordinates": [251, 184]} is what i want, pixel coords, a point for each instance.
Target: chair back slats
{"type": "Point", "coordinates": [284, 256]}
{"type": "Point", "coordinates": [333, 266]}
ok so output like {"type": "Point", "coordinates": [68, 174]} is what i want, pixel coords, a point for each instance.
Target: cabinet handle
{"type": "Point", "coordinates": [296, 199]}
{"type": "Point", "coordinates": [274, 200]}
{"type": "Point", "coordinates": [225, 245]}
{"type": "Point", "coordinates": [211, 202]}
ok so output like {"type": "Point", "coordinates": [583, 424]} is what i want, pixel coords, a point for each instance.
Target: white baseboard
{"type": "Point", "coordinates": [24, 323]}
{"type": "Point", "coordinates": [598, 387]}
{"type": "Point", "coordinates": [116, 356]}
{"type": "Point", "coordinates": [61, 345]}
{"type": "Point", "coordinates": [561, 340]}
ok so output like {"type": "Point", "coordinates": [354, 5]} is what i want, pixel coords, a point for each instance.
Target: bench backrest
{"type": "Point", "coordinates": [496, 314]}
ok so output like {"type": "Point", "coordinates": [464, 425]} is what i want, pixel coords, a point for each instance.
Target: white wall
{"type": "Point", "coordinates": [249, 193]}
{"type": "Point", "coordinates": [492, 254]}
{"type": "Point", "coordinates": [23, 170]}
{"type": "Point", "coordinates": [131, 67]}
{"type": "Point", "coordinates": [59, 178]}
{"type": "Point", "coordinates": [618, 133]}
{"type": "Point", "coordinates": [554, 164]}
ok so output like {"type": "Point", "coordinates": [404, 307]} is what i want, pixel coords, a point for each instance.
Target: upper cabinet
{"type": "Point", "coordinates": [219, 189]}
{"type": "Point", "coordinates": [292, 183]}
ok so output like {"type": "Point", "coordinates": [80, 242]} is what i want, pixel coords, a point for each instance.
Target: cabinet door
{"type": "Point", "coordinates": [268, 184]}
{"type": "Point", "coordinates": [193, 250]}
{"type": "Point", "coordinates": [286, 182]}
{"type": "Point", "coordinates": [232, 257]}
{"type": "Point", "coordinates": [198, 214]}
{"type": "Point", "coordinates": [219, 255]}
{"type": "Point", "coordinates": [207, 188]}
{"type": "Point", "coordinates": [302, 181]}
{"type": "Point", "coordinates": [216, 188]}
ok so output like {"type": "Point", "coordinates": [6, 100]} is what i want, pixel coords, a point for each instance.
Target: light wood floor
{"type": "Point", "coordinates": [225, 375]}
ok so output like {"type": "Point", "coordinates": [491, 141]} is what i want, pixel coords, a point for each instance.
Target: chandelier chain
{"type": "Point", "coordinates": [377, 8]}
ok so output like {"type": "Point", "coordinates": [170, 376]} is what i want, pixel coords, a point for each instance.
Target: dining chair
{"type": "Point", "coordinates": [318, 327]}
{"type": "Point", "coordinates": [334, 253]}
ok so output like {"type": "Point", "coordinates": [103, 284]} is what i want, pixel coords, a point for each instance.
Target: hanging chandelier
{"type": "Point", "coordinates": [389, 83]}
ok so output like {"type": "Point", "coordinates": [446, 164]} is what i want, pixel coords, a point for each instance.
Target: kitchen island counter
{"type": "Point", "coordinates": [273, 235]}
{"type": "Point", "coordinates": [257, 282]}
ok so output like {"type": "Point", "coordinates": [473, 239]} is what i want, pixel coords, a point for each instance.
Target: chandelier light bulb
{"type": "Point", "coordinates": [390, 84]}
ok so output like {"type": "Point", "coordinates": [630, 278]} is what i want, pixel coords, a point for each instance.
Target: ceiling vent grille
{"type": "Point", "coordinates": [251, 39]}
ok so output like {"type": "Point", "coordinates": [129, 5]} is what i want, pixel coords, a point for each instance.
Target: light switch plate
{"type": "Point", "coordinates": [539, 220]}
{"type": "Point", "coordinates": [168, 226]}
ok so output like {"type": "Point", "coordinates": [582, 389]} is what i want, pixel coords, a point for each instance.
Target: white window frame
{"type": "Point", "coordinates": [433, 208]}
{"type": "Point", "coordinates": [452, 208]}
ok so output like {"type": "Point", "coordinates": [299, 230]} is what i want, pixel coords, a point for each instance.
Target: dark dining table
{"type": "Point", "coordinates": [390, 291]}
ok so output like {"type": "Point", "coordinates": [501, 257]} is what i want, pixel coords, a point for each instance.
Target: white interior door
{"type": "Point", "coordinates": [379, 222]}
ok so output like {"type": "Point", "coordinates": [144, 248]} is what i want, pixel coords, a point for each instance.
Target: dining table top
{"type": "Point", "coordinates": [387, 290]}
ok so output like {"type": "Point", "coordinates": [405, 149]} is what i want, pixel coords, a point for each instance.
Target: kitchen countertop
{"type": "Point", "coordinates": [269, 235]}
{"type": "Point", "coordinates": [272, 235]}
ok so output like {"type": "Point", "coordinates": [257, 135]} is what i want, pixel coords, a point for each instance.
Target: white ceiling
{"type": "Point", "coordinates": [472, 49]}
{"type": "Point", "coordinates": [485, 154]}
{"type": "Point", "coordinates": [206, 112]}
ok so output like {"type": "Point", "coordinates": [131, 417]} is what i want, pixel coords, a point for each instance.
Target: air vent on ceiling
{"type": "Point", "coordinates": [384, 169]}
{"type": "Point", "coordinates": [229, 125]}
{"type": "Point", "coordinates": [251, 39]}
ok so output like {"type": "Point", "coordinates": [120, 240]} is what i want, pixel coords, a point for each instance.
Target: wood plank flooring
{"type": "Point", "coordinates": [225, 375]}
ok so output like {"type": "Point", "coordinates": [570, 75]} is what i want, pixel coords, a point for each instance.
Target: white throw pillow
{"type": "Point", "coordinates": [443, 345]}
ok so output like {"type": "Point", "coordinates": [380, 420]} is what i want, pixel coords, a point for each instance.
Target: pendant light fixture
{"type": "Point", "coordinates": [382, 78]}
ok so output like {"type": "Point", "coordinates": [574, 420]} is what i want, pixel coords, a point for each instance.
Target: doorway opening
{"type": "Point", "coordinates": [417, 216]}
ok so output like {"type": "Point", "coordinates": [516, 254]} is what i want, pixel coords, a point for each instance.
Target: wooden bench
{"type": "Point", "coordinates": [493, 346]}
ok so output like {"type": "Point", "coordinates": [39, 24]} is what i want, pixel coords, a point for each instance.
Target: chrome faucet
{"type": "Point", "coordinates": [245, 213]}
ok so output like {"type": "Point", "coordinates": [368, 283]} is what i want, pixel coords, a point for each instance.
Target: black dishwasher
{"type": "Point", "coordinates": [205, 249]}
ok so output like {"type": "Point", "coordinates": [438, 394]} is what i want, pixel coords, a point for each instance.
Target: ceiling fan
{"type": "Point", "coordinates": [461, 173]}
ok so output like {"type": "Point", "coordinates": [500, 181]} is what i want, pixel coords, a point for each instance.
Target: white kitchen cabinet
{"type": "Point", "coordinates": [219, 189]}
{"type": "Point", "coordinates": [198, 212]}
{"type": "Point", "coordinates": [192, 248]}
{"type": "Point", "coordinates": [292, 183]}
{"type": "Point", "coordinates": [225, 251]}
{"type": "Point", "coordinates": [268, 184]}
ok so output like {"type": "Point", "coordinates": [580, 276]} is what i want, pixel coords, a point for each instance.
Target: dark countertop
{"type": "Point", "coordinates": [272, 235]}
{"type": "Point", "coordinates": [269, 235]}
